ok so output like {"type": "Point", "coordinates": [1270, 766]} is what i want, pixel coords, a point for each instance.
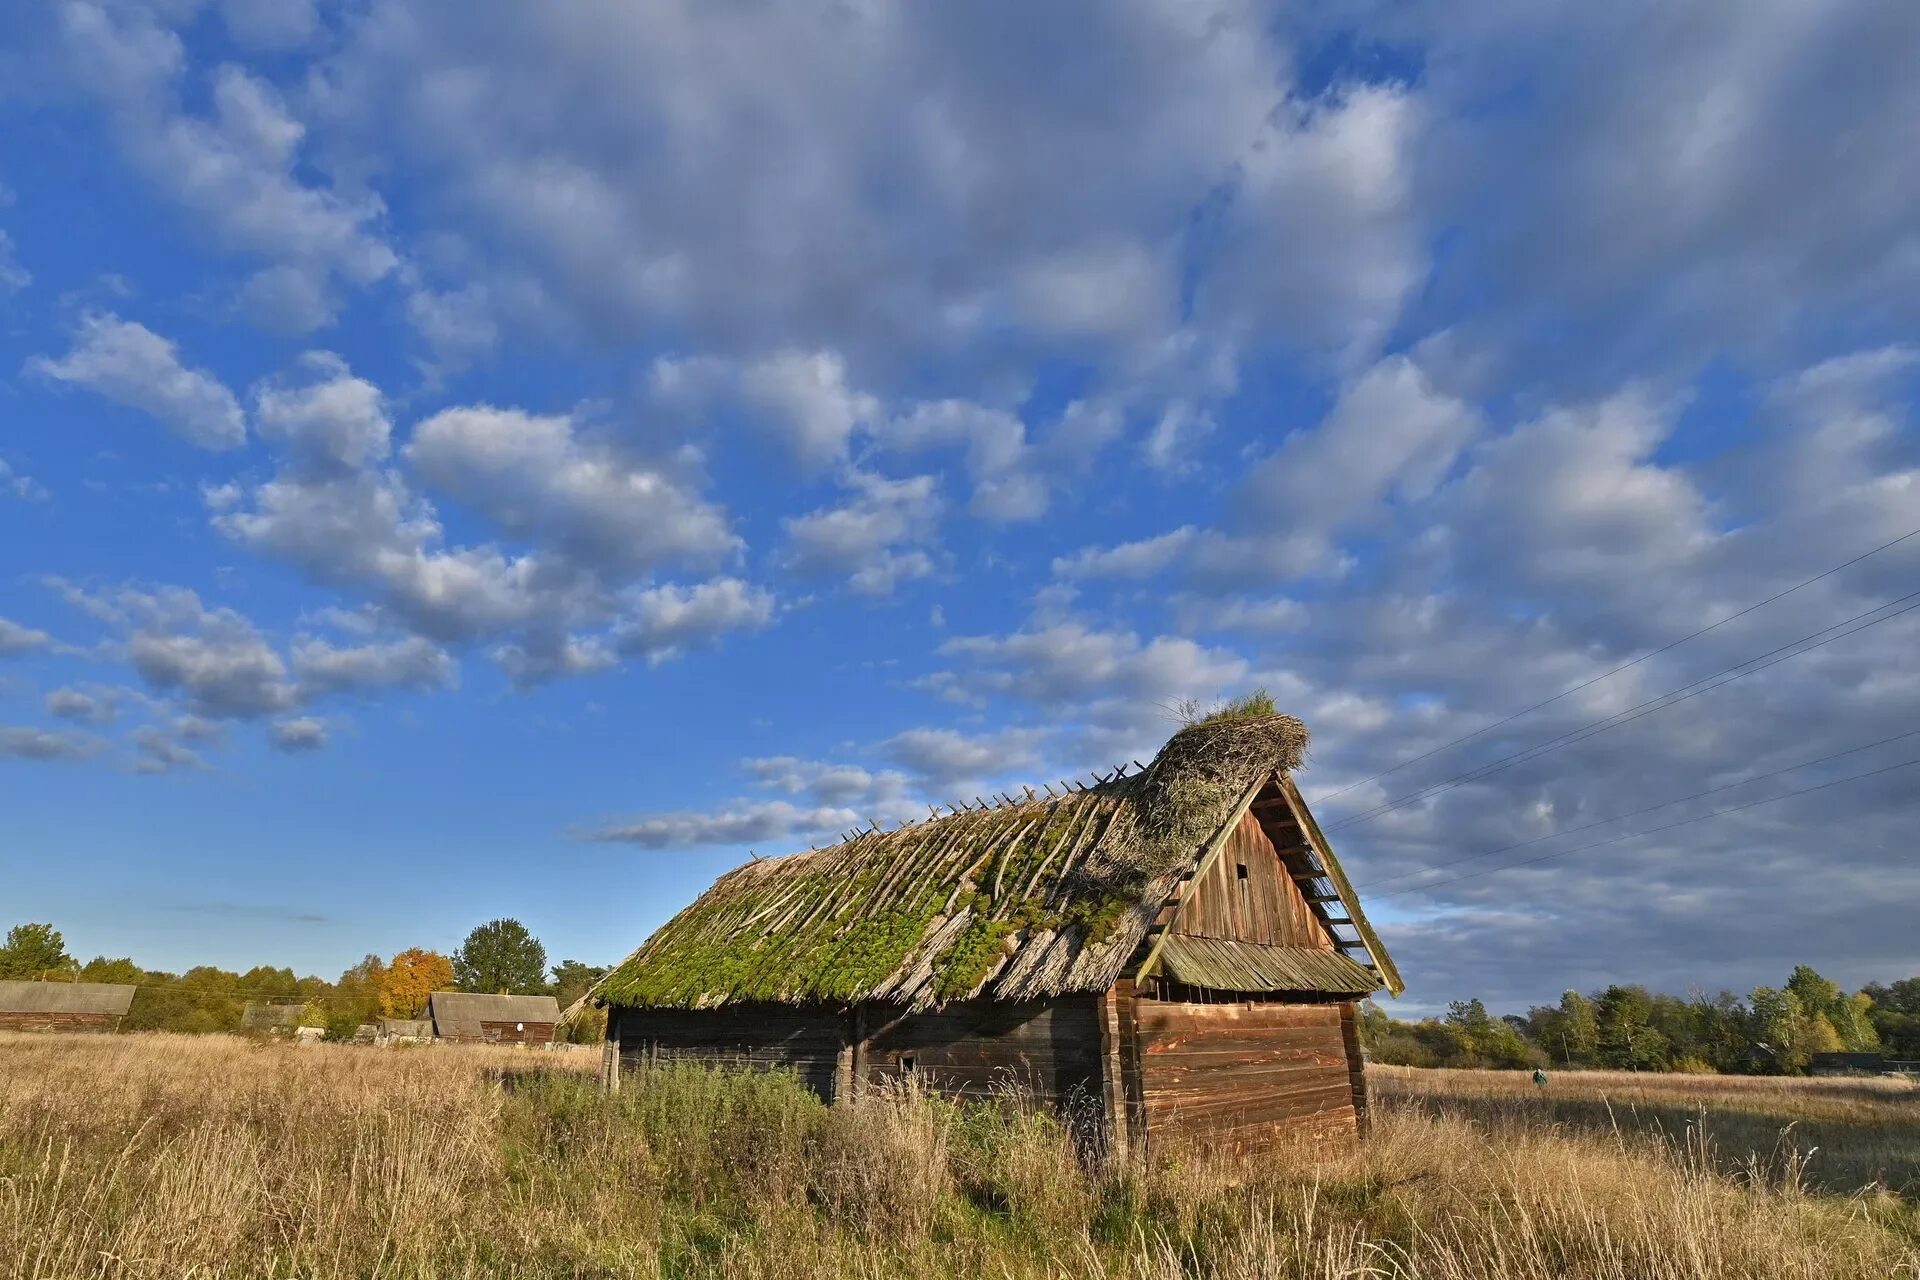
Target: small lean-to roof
{"type": "Point", "coordinates": [460, 1013]}
{"type": "Point", "coordinates": [1227, 965]}
{"type": "Point", "coordinates": [1035, 897]}
{"type": "Point", "coordinates": [110, 998]}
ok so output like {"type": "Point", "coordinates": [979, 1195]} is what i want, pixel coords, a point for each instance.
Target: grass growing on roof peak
{"type": "Point", "coordinates": [1257, 705]}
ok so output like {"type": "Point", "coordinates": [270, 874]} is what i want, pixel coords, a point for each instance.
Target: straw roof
{"type": "Point", "coordinates": [1036, 897]}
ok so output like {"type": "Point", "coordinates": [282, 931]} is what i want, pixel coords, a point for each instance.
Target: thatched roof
{"type": "Point", "coordinates": [458, 1014]}
{"type": "Point", "coordinates": [109, 998]}
{"type": "Point", "coordinates": [1038, 897]}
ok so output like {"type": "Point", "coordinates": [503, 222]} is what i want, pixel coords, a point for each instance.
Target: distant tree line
{"type": "Point", "coordinates": [1771, 1031]}
{"type": "Point", "coordinates": [498, 957]}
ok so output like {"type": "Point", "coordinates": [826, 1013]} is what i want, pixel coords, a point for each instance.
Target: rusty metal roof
{"type": "Point", "coordinates": [1227, 965]}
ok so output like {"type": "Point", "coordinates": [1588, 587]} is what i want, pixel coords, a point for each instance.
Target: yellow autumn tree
{"type": "Point", "coordinates": [412, 976]}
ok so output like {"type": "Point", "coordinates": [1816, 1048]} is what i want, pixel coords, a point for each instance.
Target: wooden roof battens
{"type": "Point", "coordinates": [907, 914]}
{"type": "Point", "coordinates": [1324, 853]}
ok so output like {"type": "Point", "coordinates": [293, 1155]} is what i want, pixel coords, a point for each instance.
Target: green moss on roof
{"type": "Point", "coordinates": [1034, 898]}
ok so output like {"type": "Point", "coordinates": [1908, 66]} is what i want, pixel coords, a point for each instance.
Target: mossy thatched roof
{"type": "Point", "coordinates": [1039, 897]}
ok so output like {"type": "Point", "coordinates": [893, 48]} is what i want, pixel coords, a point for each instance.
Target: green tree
{"type": "Point", "coordinates": [1567, 1031]}
{"type": "Point", "coordinates": [104, 969]}
{"type": "Point", "coordinates": [1626, 1037]}
{"type": "Point", "coordinates": [1852, 1018]}
{"type": "Point", "coordinates": [357, 994]}
{"type": "Point", "coordinates": [1895, 1014]}
{"type": "Point", "coordinates": [500, 956]}
{"type": "Point", "coordinates": [1780, 1028]}
{"type": "Point", "coordinates": [35, 951]}
{"type": "Point", "coordinates": [571, 978]}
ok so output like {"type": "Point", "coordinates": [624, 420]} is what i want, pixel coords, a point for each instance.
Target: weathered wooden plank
{"type": "Point", "coordinates": [1116, 1122]}
{"type": "Point", "coordinates": [1226, 1058]}
{"type": "Point", "coordinates": [1155, 1017]}
{"type": "Point", "coordinates": [1357, 1065]}
{"type": "Point", "coordinates": [1267, 1046]}
{"type": "Point", "coordinates": [1248, 1089]}
{"type": "Point", "coordinates": [1229, 1112]}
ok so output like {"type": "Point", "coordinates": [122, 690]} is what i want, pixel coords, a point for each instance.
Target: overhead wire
{"type": "Point", "coordinates": [1614, 671]}
{"type": "Point", "coordinates": [1661, 702]}
{"type": "Point", "coordinates": [1635, 813]}
{"type": "Point", "coordinates": [1635, 835]}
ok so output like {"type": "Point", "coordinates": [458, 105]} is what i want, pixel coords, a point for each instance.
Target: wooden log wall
{"type": "Point", "coordinates": [1046, 1051]}
{"type": "Point", "coordinates": [42, 1021]}
{"type": "Point", "coordinates": [761, 1037]}
{"type": "Point", "coordinates": [1243, 1075]}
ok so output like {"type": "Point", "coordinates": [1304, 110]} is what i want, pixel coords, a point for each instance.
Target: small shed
{"type": "Point", "coordinates": [470, 1016]}
{"type": "Point", "coordinates": [406, 1030]}
{"type": "Point", "coordinates": [64, 1006]}
{"type": "Point", "coordinates": [1170, 955]}
{"type": "Point", "coordinates": [272, 1019]}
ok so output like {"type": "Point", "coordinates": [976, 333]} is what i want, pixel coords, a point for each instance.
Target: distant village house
{"type": "Point", "coordinates": [488, 1019]}
{"type": "Point", "coordinates": [64, 1006]}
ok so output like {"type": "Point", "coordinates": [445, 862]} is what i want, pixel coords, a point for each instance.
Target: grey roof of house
{"type": "Point", "coordinates": [259, 1016]}
{"type": "Point", "coordinates": [460, 1013]}
{"type": "Point", "coordinates": [110, 998]}
{"type": "Point", "coordinates": [421, 1028]}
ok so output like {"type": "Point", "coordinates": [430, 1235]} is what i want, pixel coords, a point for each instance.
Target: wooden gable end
{"type": "Point", "coordinates": [1246, 893]}
{"type": "Point", "coordinates": [1293, 898]}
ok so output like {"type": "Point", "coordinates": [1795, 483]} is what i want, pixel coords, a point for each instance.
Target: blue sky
{"type": "Point", "coordinates": [458, 465]}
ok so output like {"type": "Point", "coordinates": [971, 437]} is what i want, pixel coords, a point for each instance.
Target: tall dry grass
{"type": "Point", "coordinates": [156, 1156]}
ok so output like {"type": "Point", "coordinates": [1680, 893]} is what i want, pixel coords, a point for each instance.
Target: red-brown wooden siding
{"type": "Point", "coordinates": [44, 1021]}
{"type": "Point", "coordinates": [1243, 1075]}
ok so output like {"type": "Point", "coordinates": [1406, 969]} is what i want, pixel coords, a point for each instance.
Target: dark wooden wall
{"type": "Point", "coordinates": [804, 1041]}
{"type": "Point", "coordinates": [506, 1033]}
{"type": "Point", "coordinates": [1243, 1075]}
{"type": "Point", "coordinates": [1248, 895]}
{"type": "Point", "coordinates": [1047, 1050]}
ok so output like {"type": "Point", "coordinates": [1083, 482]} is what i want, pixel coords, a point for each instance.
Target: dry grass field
{"type": "Point", "coordinates": [156, 1156]}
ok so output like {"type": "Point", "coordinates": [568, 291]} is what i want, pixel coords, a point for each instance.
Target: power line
{"type": "Point", "coordinates": [1634, 835]}
{"type": "Point", "coordinates": [1620, 817]}
{"type": "Point", "coordinates": [1674, 644]}
{"type": "Point", "coordinates": [1671, 698]}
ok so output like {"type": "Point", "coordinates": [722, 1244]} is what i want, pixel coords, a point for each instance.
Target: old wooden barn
{"type": "Point", "coordinates": [64, 1006]}
{"type": "Point", "coordinates": [1172, 954]}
